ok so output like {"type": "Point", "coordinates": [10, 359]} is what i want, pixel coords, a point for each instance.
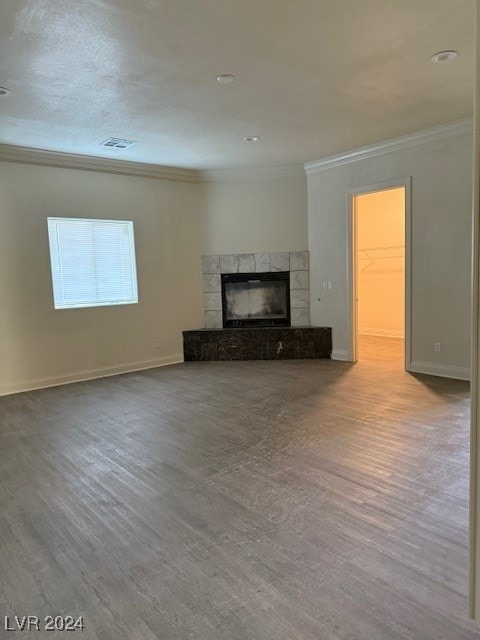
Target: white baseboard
{"type": "Point", "coordinates": [337, 354]}
{"type": "Point", "coordinates": [383, 333]}
{"type": "Point", "coordinates": [88, 374]}
{"type": "Point", "coordinates": [441, 370]}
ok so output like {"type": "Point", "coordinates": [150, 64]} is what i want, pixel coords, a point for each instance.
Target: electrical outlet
{"type": "Point", "coordinates": [438, 347]}
{"type": "Point", "coordinates": [158, 344]}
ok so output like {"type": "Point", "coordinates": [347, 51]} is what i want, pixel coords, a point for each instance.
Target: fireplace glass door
{"type": "Point", "coordinates": [256, 299]}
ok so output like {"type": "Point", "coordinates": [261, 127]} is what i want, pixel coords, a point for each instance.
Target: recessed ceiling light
{"type": "Point", "coordinates": [4, 91]}
{"type": "Point", "coordinates": [252, 139]}
{"type": "Point", "coordinates": [444, 56]}
{"type": "Point", "coordinates": [225, 78]}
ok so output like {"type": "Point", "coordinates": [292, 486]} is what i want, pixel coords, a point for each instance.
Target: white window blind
{"type": "Point", "coordinates": [93, 262]}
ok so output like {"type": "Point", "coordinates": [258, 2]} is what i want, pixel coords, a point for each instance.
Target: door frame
{"type": "Point", "coordinates": [474, 523]}
{"type": "Point", "coordinates": [352, 328]}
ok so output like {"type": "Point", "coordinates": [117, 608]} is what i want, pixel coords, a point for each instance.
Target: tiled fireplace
{"type": "Point", "coordinates": [294, 265]}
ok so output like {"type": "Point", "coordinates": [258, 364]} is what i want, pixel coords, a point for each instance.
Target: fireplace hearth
{"type": "Point", "coordinates": [256, 299]}
{"type": "Point", "coordinates": [257, 308]}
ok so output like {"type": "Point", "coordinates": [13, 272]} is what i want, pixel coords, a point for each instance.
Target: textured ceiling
{"type": "Point", "coordinates": [313, 77]}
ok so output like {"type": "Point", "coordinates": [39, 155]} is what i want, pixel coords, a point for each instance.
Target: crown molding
{"type": "Point", "coordinates": [27, 155]}
{"type": "Point", "coordinates": [434, 134]}
{"type": "Point", "coordinates": [249, 173]}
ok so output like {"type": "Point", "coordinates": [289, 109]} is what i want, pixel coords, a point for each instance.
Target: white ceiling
{"type": "Point", "coordinates": [313, 77]}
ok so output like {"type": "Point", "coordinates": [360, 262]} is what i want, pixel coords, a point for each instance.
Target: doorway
{"type": "Point", "coordinates": [379, 232]}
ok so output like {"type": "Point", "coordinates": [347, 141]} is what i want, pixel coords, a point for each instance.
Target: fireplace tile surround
{"type": "Point", "coordinates": [296, 262]}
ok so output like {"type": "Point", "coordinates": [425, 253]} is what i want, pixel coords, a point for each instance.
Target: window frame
{"type": "Point", "coordinates": [88, 305]}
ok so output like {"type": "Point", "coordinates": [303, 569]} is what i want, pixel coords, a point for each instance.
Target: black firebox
{"type": "Point", "coordinates": [256, 299]}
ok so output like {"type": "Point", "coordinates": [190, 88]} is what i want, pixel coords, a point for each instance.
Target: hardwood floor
{"type": "Point", "coordinates": [387, 350]}
{"type": "Point", "coordinates": [296, 500]}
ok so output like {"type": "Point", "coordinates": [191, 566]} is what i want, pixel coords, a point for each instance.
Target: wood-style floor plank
{"type": "Point", "coordinates": [295, 500]}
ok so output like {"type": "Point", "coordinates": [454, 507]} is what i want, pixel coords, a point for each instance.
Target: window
{"type": "Point", "coordinates": [93, 262]}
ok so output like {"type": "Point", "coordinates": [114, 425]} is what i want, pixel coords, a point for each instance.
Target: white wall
{"type": "Point", "coordinates": [175, 223]}
{"type": "Point", "coordinates": [255, 215]}
{"type": "Point", "coordinates": [441, 228]}
{"type": "Point", "coordinates": [44, 346]}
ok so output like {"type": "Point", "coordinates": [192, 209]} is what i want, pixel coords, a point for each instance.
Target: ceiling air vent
{"type": "Point", "coordinates": [118, 143]}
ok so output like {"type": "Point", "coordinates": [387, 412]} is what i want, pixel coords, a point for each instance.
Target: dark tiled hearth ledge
{"type": "Point", "coordinates": [258, 343]}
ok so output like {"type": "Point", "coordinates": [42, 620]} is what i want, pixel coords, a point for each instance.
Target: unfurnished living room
{"type": "Point", "coordinates": [239, 327]}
